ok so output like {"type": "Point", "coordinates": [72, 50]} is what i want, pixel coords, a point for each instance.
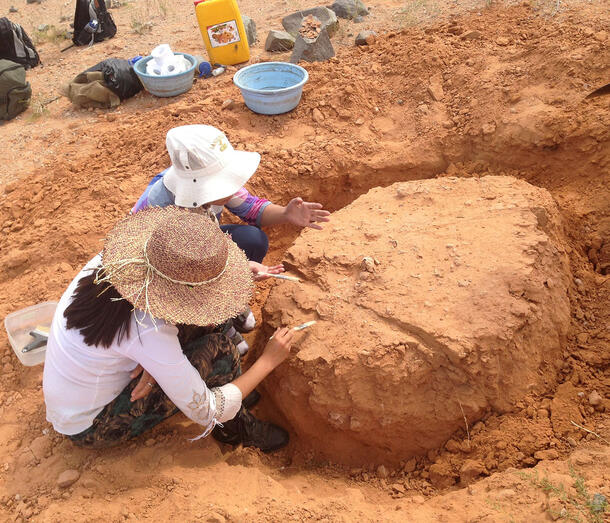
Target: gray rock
{"type": "Point", "coordinates": [278, 41]}
{"type": "Point", "coordinates": [349, 9]}
{"type": "Point", "coordinates": [13, 9]}
{"type": "Point", "coordinates": [292, 23]}
{"type": "Point", "coordinates": [358, 20]}
{"type": "Point", "coordinates": [250, 27]}
{"type": "Point", "coordinates": [43, 27]}
{"type": "Point", "coordinates": [366, 38]}
{"type": "Point", "coordinates": [34, 1]}
{"type": "Point", "coordinates": [598, 504]}
{"type": "Point", "coordinates": [316, 49]}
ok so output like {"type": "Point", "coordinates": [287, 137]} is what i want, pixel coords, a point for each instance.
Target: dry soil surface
{"type": "Point", "coordinates": [499, 90]}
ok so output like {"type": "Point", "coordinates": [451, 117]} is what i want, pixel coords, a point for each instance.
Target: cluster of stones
{"type": "Point", "coordinates": [308, 33]}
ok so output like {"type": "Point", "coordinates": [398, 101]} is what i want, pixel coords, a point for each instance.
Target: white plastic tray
{"type": "Point", "coordinates": [18, 325]}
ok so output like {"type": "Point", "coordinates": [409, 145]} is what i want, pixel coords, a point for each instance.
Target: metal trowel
{"type": "Point", "coordinates": [40, 335]}
{"type": "Point", "coordinates": [599, 92]}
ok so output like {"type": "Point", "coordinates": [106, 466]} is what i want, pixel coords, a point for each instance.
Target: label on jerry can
{"type": "Point", "coordinates": [223, 34]}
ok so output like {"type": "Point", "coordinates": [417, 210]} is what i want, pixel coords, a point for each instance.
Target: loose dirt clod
{"type": "Point", "coordinates": [595, 399]}
{"type": "Point", "coordinates": [317, 115]}
{"type": "Point", "coordinates": [67, 478]}
{"type": "Point", "coordinates": [435, 88]}
{"type": "Point", "coordinates": [310, 27]}
{"type": "Point", "coordinates": [546, 454]}
{"type": "Point", "coordinates": [470, 471]}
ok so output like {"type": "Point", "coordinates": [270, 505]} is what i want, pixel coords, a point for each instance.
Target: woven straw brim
{"type": "Point", "coordinates": [209, 304]}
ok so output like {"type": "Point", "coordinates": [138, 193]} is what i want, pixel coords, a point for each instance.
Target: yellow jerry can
{"type": "Point", "coordinates": [223, 31]}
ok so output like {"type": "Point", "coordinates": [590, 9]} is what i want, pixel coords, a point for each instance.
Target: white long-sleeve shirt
{"type": "Point", "coordinates": [80, 380]}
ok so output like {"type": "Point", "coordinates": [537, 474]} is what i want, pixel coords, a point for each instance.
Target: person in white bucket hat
{"type": "Point", "coordinates": [208, 173]}
{"type": "Point", "coordinates": [205, 167]}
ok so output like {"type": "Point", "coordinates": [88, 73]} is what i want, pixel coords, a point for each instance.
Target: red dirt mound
{"type": "Point", "coordinates": [436, 300]}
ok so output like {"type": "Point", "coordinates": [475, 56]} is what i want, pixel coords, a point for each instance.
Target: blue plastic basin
{"type": "Point", "coordinates": [166, 86]}
{"type": "Point", "coordinates": [271, 87]}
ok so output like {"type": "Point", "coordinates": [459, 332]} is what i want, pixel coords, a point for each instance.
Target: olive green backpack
{"type": "Point", "coordinates": [15, 92]}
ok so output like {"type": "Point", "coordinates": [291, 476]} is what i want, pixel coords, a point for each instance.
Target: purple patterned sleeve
{"type": "Point", "coordinates": [143, 202]}
{"type": "Point", "coordinates": [248, 207]}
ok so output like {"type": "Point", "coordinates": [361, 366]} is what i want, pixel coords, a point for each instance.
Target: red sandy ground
{"type": "Point", "coordinates": [511, 103]}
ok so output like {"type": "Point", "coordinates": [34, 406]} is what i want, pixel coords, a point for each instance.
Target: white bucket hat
{"type": "Point", "coordinates": [205, 167]}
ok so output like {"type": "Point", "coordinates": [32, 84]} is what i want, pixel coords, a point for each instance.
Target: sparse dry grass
{"type": "Point", "coordinates": [51, 34]}
{"type": "Point", "coordinates": [39, 108]}
{"type": "Point", "coordinates": [417, 11]}
{"type": "Point", "coordinates": [580, 508]}
{"type": "Point", "coordinates": [144, 14]}
{"type": "Point", "coordinates": [140, 27]}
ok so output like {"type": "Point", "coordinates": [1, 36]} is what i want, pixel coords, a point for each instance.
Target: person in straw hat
{"type": "Point", "coordinates": [118, 360]}
{"type": "Point", "coordinates": [208, 174]}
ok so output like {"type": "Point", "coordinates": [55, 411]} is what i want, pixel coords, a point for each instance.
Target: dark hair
{"type": "Point", "coordinates": [98, 312]}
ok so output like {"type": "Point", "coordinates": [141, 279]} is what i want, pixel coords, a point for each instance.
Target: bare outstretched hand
{"type": "Point", "coordinates": [305, 214]}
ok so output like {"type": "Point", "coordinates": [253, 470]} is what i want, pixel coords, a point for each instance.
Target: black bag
{"type": "Point", "coordinates": [92, 22]}
{"type": "Point", "coordinates": [16, 46]}
{"type": "Point", "coordinates": [15, 92]}
{"type": "Point", "coordinates": [119, 76]}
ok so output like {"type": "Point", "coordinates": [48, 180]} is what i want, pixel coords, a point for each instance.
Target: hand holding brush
{"type": "Point", "coordinates": [262, 272]}
{"type": "Point", "coordinates": [300, 327]}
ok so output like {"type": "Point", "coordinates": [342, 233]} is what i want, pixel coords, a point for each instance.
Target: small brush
{"type": "Point", "coordinates": [302, 326]}
{"type": "Point", "coordinates": [282, 277]}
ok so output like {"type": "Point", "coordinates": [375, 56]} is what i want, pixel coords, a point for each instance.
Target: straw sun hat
{"type": "Point", "coordinates": [177, 265]}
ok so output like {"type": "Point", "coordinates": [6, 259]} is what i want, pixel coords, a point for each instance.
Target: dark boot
{"type": "Point", "coordinates": [251, 432]}
{"type": "Point", "coordinates": [251, 399]}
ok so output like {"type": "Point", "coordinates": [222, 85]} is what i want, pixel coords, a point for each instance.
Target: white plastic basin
{"type": "Point", "coordinates": [18, 325]}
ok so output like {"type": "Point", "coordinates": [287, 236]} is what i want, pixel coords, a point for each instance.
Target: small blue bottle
{"type": "Point", "coordinates": [133, 60]}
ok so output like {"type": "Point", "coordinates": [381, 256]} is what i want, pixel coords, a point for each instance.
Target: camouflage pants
{"type": "Point", "coordinates": [213, 355]}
